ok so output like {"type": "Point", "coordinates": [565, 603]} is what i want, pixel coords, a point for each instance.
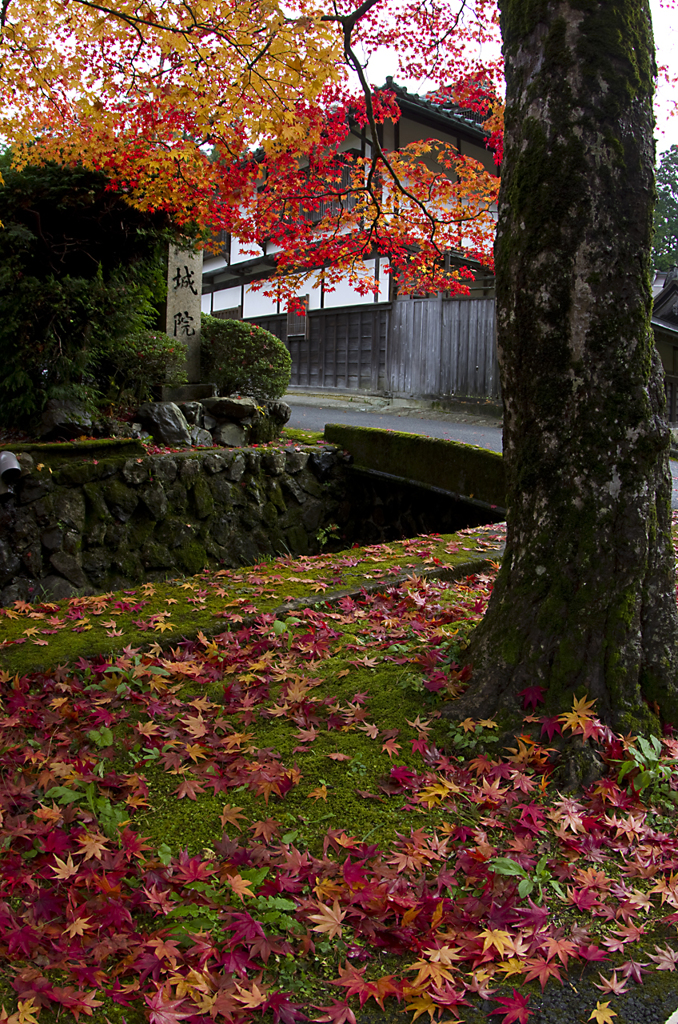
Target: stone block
{"type": "Point", "coordinates": [56, 588]}
{"type": "Point", "coordinates": [70, 567]}
{"type": "Point", "coordinates": [236, 468]}
{"type": "Point", "coordinates": [230, 408]}
{"type": "Point", "coordinates": [164, 469]}
{"type": "Point", "coordinates": [69, 508]}
{"type": "Point", "coordinates": [202, 496]}
{"type": "Point", "coordinates": [297, 538]}
{"type": "Point", "coordinates": [9, 563]}
{"type": "Point", "coordinates": [221, 490]}
{"type": "Point", "coordinates": [155, 500]}
{"type": "Point", "coordinates": [52, 539]}
{"type": "Point", "coordinates": [214, 463]}
{"type": "Point", "coordinates": [135, 471]}
{"type": "Point", "coordinates": [292, 487]}
{"type": "Point", "coordinates": [295, 461]}
{"type": "Point", "coordinates": [230, 435]}
{"type": "Point", "coordinates": [121, 500]}
{"type": "Point", "coordinates": [189, 470]}
{"type": "Point", "coordinates": [273, 462]}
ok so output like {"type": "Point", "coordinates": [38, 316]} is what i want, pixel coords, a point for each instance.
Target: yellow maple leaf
{"type": "Point", "coordinates": [495, 937]}
{"type": "Point", "coordinates": [162, 627]}
{"type": "Point", "coordinates": [602, 1014]}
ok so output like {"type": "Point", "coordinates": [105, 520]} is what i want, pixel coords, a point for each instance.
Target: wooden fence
{"type": "Point", "coordinates": [410, 348]}
{"type": "Point", "coordinates": [443, 347]}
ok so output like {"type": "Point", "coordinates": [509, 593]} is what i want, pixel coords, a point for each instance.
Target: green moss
{"type": "Point", "coordinates": [192, 556]}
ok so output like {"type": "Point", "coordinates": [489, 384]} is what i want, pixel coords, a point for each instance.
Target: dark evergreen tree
{"type": "Point", "coordinates": [665, 244]}
{"type": "Point", "coordinates": [79, 270]}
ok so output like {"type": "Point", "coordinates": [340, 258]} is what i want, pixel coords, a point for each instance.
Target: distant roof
{"type": "Point", "coordinates": [438, 111]}
{"type": "Point", "coordinates": [665, 308]}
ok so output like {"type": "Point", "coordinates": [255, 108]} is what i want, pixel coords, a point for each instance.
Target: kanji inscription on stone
{"type": "Point", "coordinates": [184, 289]}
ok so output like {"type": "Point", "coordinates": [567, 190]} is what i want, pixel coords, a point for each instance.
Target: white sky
{"type": "Point", "coordinates": [666, 41]}
{"type": "Point", "coordinates": [665, 20]}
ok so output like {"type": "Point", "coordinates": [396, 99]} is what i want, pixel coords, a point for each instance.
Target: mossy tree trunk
{"type": "Point", "coordinates": [586, 593]}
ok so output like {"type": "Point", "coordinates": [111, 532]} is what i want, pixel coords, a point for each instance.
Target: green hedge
{"type": "Point", "coordinates": [243, 359]}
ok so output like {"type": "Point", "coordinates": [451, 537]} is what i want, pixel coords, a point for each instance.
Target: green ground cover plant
{"type": "Point", "coordinates": [275, 821]}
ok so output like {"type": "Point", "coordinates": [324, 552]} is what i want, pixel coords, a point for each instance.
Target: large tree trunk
{"type": "Point", "coordinates": [585, 597]}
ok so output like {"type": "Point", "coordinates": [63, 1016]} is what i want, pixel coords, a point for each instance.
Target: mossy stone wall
{"type": "Point", "coordinates": [114, 516]}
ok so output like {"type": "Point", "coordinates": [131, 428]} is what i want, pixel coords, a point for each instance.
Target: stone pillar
{"type": "Point", "coordinates": [184, 291]}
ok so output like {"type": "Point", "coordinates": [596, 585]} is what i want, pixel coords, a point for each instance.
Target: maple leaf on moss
{"type": "Point", "coordinates": [337, 1013]}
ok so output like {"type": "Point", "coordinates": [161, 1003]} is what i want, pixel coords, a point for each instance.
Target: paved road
{"type": "Point", "coordinates": [307, 417]}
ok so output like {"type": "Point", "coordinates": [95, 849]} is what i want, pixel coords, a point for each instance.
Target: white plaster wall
{"type": "Point", "coordinates": [257, 304]}
{"type": "Point", "coordinates": [224, 299]}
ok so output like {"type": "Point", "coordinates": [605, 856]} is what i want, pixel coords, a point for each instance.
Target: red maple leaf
{"type": "Point", "coordinates": [337, 1013]}
{"type": "Point", "coordinates": [164, 1009]}
{"type": "Point", "coordinates": [532, 695]}
{"type": "Point", "coordinates": [515, 1008]}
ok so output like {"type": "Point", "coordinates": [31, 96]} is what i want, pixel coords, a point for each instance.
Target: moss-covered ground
{"type": "Point", "coordinates": [259, 812]}
{"type": "Point", "coordinates": [36, 637]}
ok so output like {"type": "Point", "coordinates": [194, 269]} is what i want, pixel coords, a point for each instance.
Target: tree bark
{"type": "Point", "coordinates": [585, 598]}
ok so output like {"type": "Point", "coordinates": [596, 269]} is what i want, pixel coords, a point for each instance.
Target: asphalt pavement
{"type": "Point", "coordinates": [312, 412]}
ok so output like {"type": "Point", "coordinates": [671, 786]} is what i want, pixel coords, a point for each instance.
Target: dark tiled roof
{"type": "Point", "coordinates": [441, 109]}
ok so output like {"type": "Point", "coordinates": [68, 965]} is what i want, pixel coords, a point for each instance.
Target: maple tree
{"type": "Point", "coordinates": [234, 116]}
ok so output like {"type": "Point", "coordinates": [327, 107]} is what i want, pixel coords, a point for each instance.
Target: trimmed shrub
{"type": "Point", "coordinates": [133, 365]}
{"type": "Point", "coordinates": [244, 359]}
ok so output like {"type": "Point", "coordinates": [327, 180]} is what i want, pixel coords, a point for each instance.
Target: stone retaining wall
{"type": "Point", "coordinates": [104, 523]}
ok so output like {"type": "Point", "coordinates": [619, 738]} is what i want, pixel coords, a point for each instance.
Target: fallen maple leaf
{"type": "Point", "coordinates": [164, 1009]}
{"type": "Point", "coordinates": [231, 816]}
{"type": "Point", "coordinates": [336, 756]}
{"type": "Point", "coordinates": [241, 886]}
{"type": "Point", "coordinates": [78, 927]}
{"type": "Point", "coordinates": [65, 868]}
{"type": "Point", "coordinates": [337, 1013]}
{"type": "Point", "coordinates": [514, 1007]}
{"type": "Point", "coordinates": [318, 794]}
{"type": "Point", "coordinates": [329, 919]}
{"type": "Point", "coordinates": [601, 1014]}
{"type": "Point", "coordinates": [612, 985]}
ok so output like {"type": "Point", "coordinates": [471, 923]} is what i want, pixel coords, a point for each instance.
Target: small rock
{"type": "Point", "coordinates": [193, 412]}
{"type": "Point", "coordinates": [63, 419]}
{"type": "Point", "coordinates": [201, 437]}
{"type": "Point", "coordinates": [166, 422]}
